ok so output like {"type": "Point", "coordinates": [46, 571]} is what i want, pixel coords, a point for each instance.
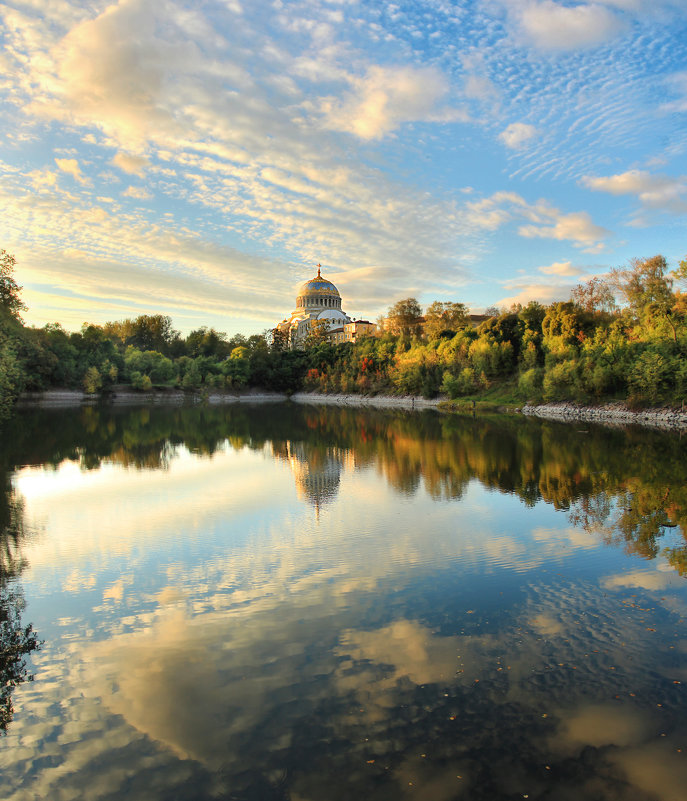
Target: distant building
{"type": "Point", "coordinates": [353, 331]}
{"type": "Point", "coordinates": [319, 299]}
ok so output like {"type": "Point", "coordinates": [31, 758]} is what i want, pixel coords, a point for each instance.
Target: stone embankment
{"type": "Point", "coordinates": [379, 401]}
{"type": "Point", "coordinates": [610, 414]}
{"type": "Point", "coordinates": [125, 396]}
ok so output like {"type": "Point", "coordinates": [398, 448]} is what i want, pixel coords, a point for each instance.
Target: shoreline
{"type": "Point", "coordinates": [612, 414]}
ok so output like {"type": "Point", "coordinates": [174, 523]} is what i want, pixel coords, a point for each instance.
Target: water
{"type": "Point", "coordinates": [311, 604]}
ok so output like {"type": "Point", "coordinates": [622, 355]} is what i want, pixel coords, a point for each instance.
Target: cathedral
{"type": "Point", "coordinates": [319, 299]}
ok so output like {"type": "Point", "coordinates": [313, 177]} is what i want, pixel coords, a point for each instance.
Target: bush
{"type": "Point", "coordinates": [465, 383]}
{"type": "Point", "coordinates": [140, 381]}
{"type": "Point", "coordinates": [92, 380]}
{"type": "Point", "coordinates": [648, 376]}
{"type": "Point", "coordinates": [561, 381]}
{"type": "Point", "coordinates": [530, 383]}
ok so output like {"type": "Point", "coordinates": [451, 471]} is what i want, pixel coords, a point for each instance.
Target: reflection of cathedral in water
{"type": "Point", "coordinates": [316, 469]}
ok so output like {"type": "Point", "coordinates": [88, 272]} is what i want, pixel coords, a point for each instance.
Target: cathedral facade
{"type": "Point", "coordinates": [319, 299]}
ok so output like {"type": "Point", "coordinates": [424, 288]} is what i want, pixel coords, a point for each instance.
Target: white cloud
{"type": "Point", "coordinates": [561, 268]}
{"type": "Point", "coordinates": [71, 167]}
{"type": "Point", "coordinates": [678, 84]}
{"type": "Point", "coordinates": [133, 165]}
{"type": "Point", "coordinates": [660, 192]}
{"type": "Point", "coordinates": [387, 97]}
{"type": "Point", "coordinates": [137, 192]}
{"type": "Point", "coordinates": [546, 221]}
{"type": "Point", "coordinates": [517, 134]}
{"type": "Point", "coordinates": [549, 25]}
{"type": "Point", "coordinates": [542, 293]}
{"type": "Point", "coordinates": [576, 227]}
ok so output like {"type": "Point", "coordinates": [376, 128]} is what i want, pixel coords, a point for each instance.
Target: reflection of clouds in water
{"type": "Point", "coordinates": [110, 513]}
{"type": "Point", "coordinates": [604, 724]}
{"type": "Point", "coordinates": [408, 648]}
{"type": "Point", "coordinates": [625, 737]}
{"type": "Point", "coordinates": [656, 768]}
{"type": "Point", "coordinates": [546, 624]}
{"type": "Point", "coordinates": [242, 691]}
{"type": "Point", "coordinates": [649, 579]}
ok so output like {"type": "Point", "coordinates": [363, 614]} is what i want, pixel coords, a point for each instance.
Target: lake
{"type": "Point", "coordinates": [322, 604]}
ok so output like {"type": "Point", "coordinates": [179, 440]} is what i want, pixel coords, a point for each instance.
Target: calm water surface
{"type": "Point", "coordinates": [279, 602]}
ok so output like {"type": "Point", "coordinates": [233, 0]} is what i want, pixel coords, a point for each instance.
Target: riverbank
{"type": "Point", "coordinates": [609, 414]}
{"type": "Point", "coordinates": [125, 396]}
{"type": "Point", "coordinates": [616, 414]}
{"type": "Point", "coordinates": [378, 401]}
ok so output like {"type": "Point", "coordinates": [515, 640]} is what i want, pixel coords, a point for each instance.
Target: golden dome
{"type": "Point", "coordinates": [318, 286]}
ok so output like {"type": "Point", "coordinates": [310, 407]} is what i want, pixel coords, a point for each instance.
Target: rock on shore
{"type": "Point", "coordinates": [379, 401]}
{"type": "Point", "coordinates": [611, 413]}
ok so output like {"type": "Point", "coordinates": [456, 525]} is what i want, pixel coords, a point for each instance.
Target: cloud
{"type": "Point", "coordinates": [517, 134]}
{"type": "Point", "coordinates": [387, 97]}
{"type": "Point", "coordinates": [678, 84]}
{"type": "Point", "coordinates": [556, 287]}
{"type": "Point", "coordinates": [561, 268]}
{"type": "Point", "coordinates": [551, 26]}
{"type": "Point", "coordinates": [71, 167]}
{"type": "Point", "coordinates": [661, 192]}
{"type": "Point", "coordinates": [542, 293]}
{"type": "Point", "coordinates": [577, 227]}
{"type": "Point", "coordinates": [133, 165]}
{"type": "Point", "coordinates": [546, 221]}
{"type": "Point", "coordinates": [137, 192]}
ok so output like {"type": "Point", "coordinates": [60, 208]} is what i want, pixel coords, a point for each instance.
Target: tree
{"type": "Point", "coordinates": [277, 340]}
{"type": "Point", "coordinates": [646, 287]}
{"type": "Point", "coordinates": [92, 380]}
{"type": "Point", "coordinates": [594, 295]}
{"type": "Point", "coordinates": [440, 317]}
{"type": "Point", "coordinates": [317, 333]}
{"type": "Point", "coordinates": [405, 317]}
{"type": "Point", "coordinates": [146, 332]}
{"type": "Point", "coordinates": [9, 289]}
{"type": "Point", "coordinates": [207, 342]}
{"type": "Point", "coordinates": [681, 273]}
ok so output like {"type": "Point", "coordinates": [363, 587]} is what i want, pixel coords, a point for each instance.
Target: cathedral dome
{"type": "Point", "coordinates": [317, 294]}
{"type": "Point", "coordinates": [319, 286]}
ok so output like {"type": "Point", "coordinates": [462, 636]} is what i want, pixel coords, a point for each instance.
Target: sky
{"type": "Point", "coordinates": [199, 159]}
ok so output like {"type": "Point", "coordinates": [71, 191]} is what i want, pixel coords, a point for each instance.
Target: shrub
{"type": "Point", "coordinates": [92, 380]}
{"type": "Point", "coordinates": [530, 383]}
{"type": "Point", "coordinates": [561, 381]}
{"type": "Point", "coordinates": [648, 375]}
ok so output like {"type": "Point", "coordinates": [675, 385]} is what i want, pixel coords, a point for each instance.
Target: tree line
{"type": "Point", "coordinates": [588, 348]}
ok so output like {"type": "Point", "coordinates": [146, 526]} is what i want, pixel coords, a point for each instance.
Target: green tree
{"type": "Point", "coordinates": [646, 286]}
{"type": "Point", "coordinates": [594, 295]}
{"type": "Point", "coordinates": [318, 333]}
{"type": "Point", "coordinates": [12, 378]}
{"type": "Point", "coordinates": [92, 380]}
{"type": "Point", "coordinates": [207, 342]}
{"type": "Point", "coordinates": [9, 289]}
{"type": "Point", "coordinates": [405, 317]}
{"type": "Point", "coordinates": [441, 318]}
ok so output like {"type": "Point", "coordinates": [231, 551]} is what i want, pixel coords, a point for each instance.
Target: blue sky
{"type": "Point", "coordinates": [198, 159]}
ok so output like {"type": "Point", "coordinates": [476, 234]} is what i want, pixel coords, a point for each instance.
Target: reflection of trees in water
{"type": "Point", "coordinates": [629, 485]}
{"type": "Point", "coordinates": [16, 640]}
